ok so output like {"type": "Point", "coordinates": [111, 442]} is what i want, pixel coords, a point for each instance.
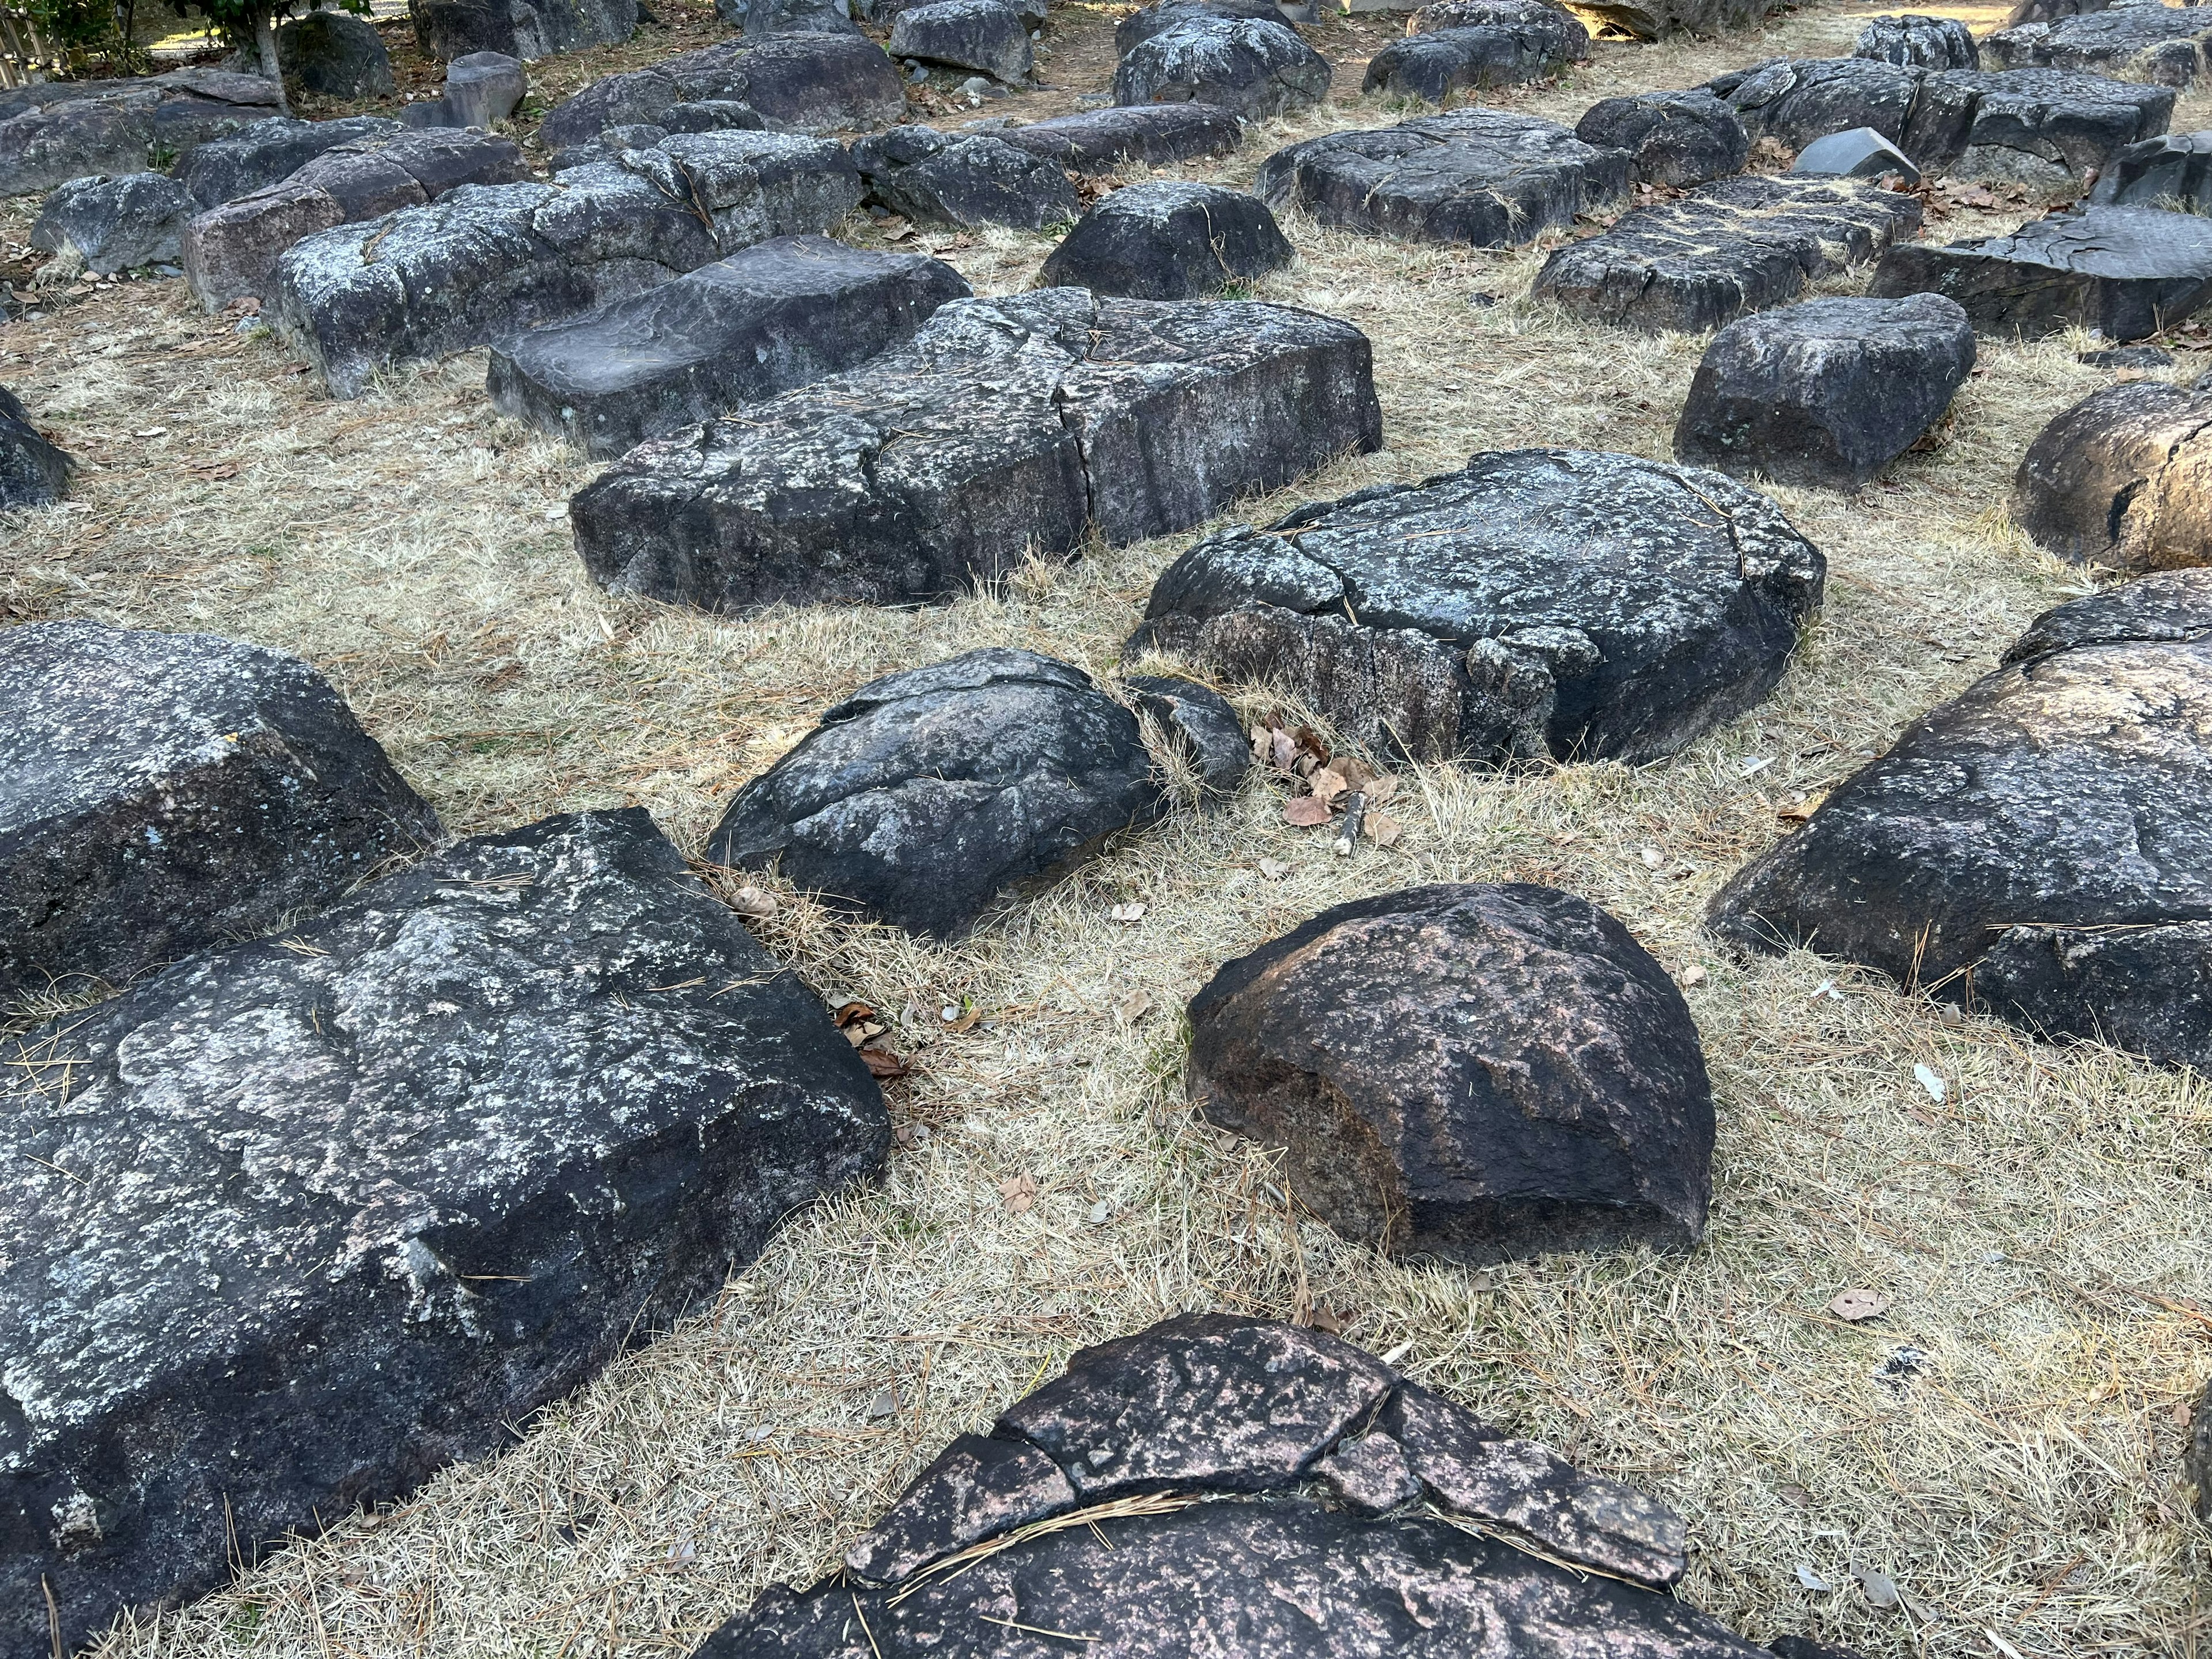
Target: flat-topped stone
{"type": "Point", "coordinates": [2163, 45]}
{"type": "Point", "coordinates": [1930, 42]}
{"type": "Point", "coordinates": [1464, 45]}
{"type": "Point", "coordinates": [2172, 171]}
{"type": "Point", "coordinates": [806, 83]}
{"type": "Point", "coordinates": [1007, 428]}
{"type": "Point", "coordinates": [481, 87]}
{"type": "Point", "coordinates": [519, 28]}
{"type": "Point", "coordinates": [983, 35]}
{"type": "Point", "coordinates": [112, 224]}
{"type": "Point", "coordinates": [2123, 480]}
{"type": "Point", "coordinates": [1728, 247]}
{"type": "Point", "coordinates": [964, 179]}
{"type": "Point", "coordinates": [1659, 19]}
{"type": "Point", "coordinates": [1677, 138]}
{"type": "Point", "coordinates": [774, 316]}
{"type": "Point", "coordinates": [54, 131]}
{"type": "Point", "coordinates": [1106, 140]}
{"type": "Point", "coordinates": [1168, 238]}
{"type": "Point", "coordinates": [1484, 176]}
{"type": "Point", "coordinates": [1252, 66]}
{"type": "Point", "coordinates": [1148, 21]}
{"type": "Point", "coordinates": [267, 152]}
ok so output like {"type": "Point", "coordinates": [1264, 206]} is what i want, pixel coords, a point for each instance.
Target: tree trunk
{"type": "Point", "coordinates": [265, 44]}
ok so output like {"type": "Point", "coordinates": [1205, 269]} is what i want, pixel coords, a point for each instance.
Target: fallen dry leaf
{"type": "Point", "coordinates": [1693, 975]}
{"type": "Point", "coordinates": [1327, 784]}
{"type": "Point", "coordinates": [1128, 912]}
{"type": "Point", "coordinates": [852, 1013]}
{"type": "Point", "coordinates": [1383, 830]}
{"type": "Point", "coordinates": [1019, 1193]}
{"type": "Point", "coordinates": [1134, 1007]}
{"type": "Point", "coordinates": [882, 1064]}
{"type": "Point", "coordinates": [755, 902]}
{"type": "Point", "coordinates": [1797, 810]}
{"type": "Point", "coordinates": [1856, 1305]}
{"type": "Point", "coordinates": [1306, 811]}
{"type": "Point", "coordinates": [1273, 869]}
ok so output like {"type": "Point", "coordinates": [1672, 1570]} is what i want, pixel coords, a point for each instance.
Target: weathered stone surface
{"type": "Point", "coordinates": [983, 35]}
{"type": "Point", "coordinates": [54, 131]}
{"type": "Point", "coordinates": [519, 28]}
{"type": "Point", "coordinates": [1263, 1419]}
{"type": "Point", "coordinates": [803, 82]}
{"type": "Point", "coordinates": [1538, 603]}
{"type": "Point", "coordinates": [1861, 153]}
{"type": "Point", "coordinates": [964, 179]}
{"type": "Point", "coordinates": [1200, 723]}
{"type": "Point", "coordinates": [481, 87]}
{"type": "Point", "coordinates": [267, 153]}
{"type": "Point", "coordinates": [2048, 129]}
{"type": "Point", "coordinates": [2163, 45]}
{"type": "Point", "coordinates": [2134, 357]}
{"type": "Point", "coordinates": [1143, 24]}
{"type": "Point", "coordinates": [164, 792]}
{"type": "Point", "coordinates": [1433, 64]}
{"type": "Point", "coordinates": [2044, 11]}
{"type": "Point", "coordinates": [1167, 240]}
{"type": "Point", "coordinates": [1938, 43]}
{"type": "Point", "coordinates": [1827, 393]}
{"type": "Point", "coordinates": [1007, 427]}
{"type": "Point", "coordinates": [1656, 19]}
{"type": "Point", "coordinates": [796, 17]}
{"type": "Point", "coordinates": [1471, 1072]}
{"type": "Point", "coordinates": [32, 472]}
{"type": "Point", "coordinates": [313, 1217]}
{"type": "Point", "coordinates": [2126, 273]}
{"type": "Point", "coordinates": [1728, 247]}
{"type": "Point", "coordinates": [2173, 172]}
{"type": "Point", "coordinates": [2123, 479]}
{"type": "Point", "coordinates": [336, 54]}
{"type": "Point", "coordinates": [1484, 176]}
{"type": "Point", "coordinates": [231, 251]}
{"type": "Point", "coordinates": [924, 794]}
{"type": "Point", "coordinates": [1247, 64]}
{"type": "Point", "coordinates": [1679, 138]}
{"type": "Point", "coordinates": [112, 224]}
{"type": "Point", "coordinates": [482, 264]}
{"type": "Point", "coordinates": [1105, 140]}
{"type": "Point", "coordinates": [776, 315]}
{"type": "Point", "coordinates": [2197, 1456]}
{"type": "Point", "coordinates": [2040, 845]}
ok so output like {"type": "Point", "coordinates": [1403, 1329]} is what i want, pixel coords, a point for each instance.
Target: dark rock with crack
{"type": "Point", "coordinates": [484, 264]}
{"type": "Point", "coordinates": [2126, 273]}
{"type": "Point", "coordinates": [1276, 1488]}
{"type": "Point", "coordinates": [924, 794]}
{"type": "Point", "coordinates": [1657, 20]}
{"type": "Point", "coordinates": [798, 16]}
{"type": "Point", "coordinates": [51, 131]}
{"type": "Point", "coordinates": [1561, 35]}
{"type": "Point", "coordinates": [1539, 603]}
{"type": "Point", "coordinates": [519, 28]}
{"type": "Point", "coordinates": [1728, 247]}
{"type": "Point", "coordinates": [481, 87]}
{"type": "Point", "coordinates": [1678, 138]}
{"type": "Point", "coordinates": [2173, 172]}
{"type": "Point", "coordinates": [114, 224]}
{"type": "Point", "coordinates": [32, 472]}
{"type": "Point", "coordinates": [1101, 140]}
{"type": "Point", "coordinates": [964, 179]}
{"type": "Point", "coordinates": [231, 251]}
{"type": "Point", "coordinates": [1827, 393]}
{"type": "Point", "coordinates": [1433, 66]}
{"type": "Point", "coordinates": [2163, 45]}
{"type": "Point", "coordinates": [1008, 428]}
{"type": "Point", "coordinates": [707, 115]}
{"type": "Point", "coordinates": [806, 82]}
{"type": "Point", "coordinates": [2197, 1456]}
{"type": "Point", "coordinates": [160, 792]}
{"type": "Point", "coordinates": [498, 1116]}
{"type": "Point", "coordinates": [776, 315]}
{"type": "Point", "coordinates": [1487, 177]}
{"type": "Point", "coordinates": [1247, 65]}
{"type": "Point", "coordinates": [335, 54]}
{"type": "Point", "coordinates": [1861, 153]}
{"type": "Point", "coordinates": [983, 35]}
{"type": "Point", "coordinates": [1142, 25]}
{"type": "Point", "coordinates": [1167, 240]}
{"type": "Point", "coordinates": [267, 153]}
{"type": "Point", "coordinates": [2123, 480]}
{"type": "Point", "coordinates": [2045, 11]}
{"type": "Point", "coordinates": [2040, 847]}
{"type": "Point", "coordinates": [1473, 1073]}
{"type": "Point", "coordinates": [1200, 723]}
{"type": "Point", "coordinates": [1937, 43]}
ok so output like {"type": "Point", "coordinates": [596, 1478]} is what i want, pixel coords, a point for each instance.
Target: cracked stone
{"type": "Point", "coordinates": [2123, 480]}
{"type": "Point", "coordinates": [1166, 239]}
{"type": "Point", "coordinates": [1250, 65]}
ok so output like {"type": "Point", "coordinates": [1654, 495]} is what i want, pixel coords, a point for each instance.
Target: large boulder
{"type": "Point", "coordinates": [231, 252]}
{"type": "Point", "coordinates": [483, 263]}
{"type": "Point", "coordinates": [1247, 65]}
{"type": "Point", "coordinates": [1008, 428]}
{"type": "Point", "coordinates": [1433, 66]}
{"type": "Point", "coordinates": [519, 28]}
{"type": "Point", "coordinates": [1167, 240]}
{"type": "Point", "coordinates": [1473, 1073]}
{"type": "Point", "coordinates": [267, 153]}
{"type": "Point", "coordinates": [32, 472]}
{"type": "Point", "coordinates": [2039, 845]}
{"type": "Point", "coordinates": [2163, 45]}
{"type": "Point", "coordinates": [312, 1217]}
{"type": "Point", "coordinates": [1829, 392]}
{"type": "Point", "coordinates": [776, 315]}
{"type": "Point", "coordinates": [481, 87]}
{"type": "Point", "coordinates": [1485, 177]}
{"type": "Point", "coordinates": [114, 224]}
{"type": "Point", "coordinates": [55, 130]}
{"type": "Point", "coordinates": [1676, 138]}
{"type": "Point", "coordinates": [983, 35]}
{"type": "Point", "coordinates": [796, 17]}
{"type": "Point", "coordinates": [924, 794]}
{"type": "Point", "coordinates": [1657, 20]}
{"type": "Point", "coordinates": [2123, 480]}
{"type": "Point", "coordinates": [1728, 247]}
{"type": "Point", "coordinates": [964, 179]}
{"type": "Point", "coordinates": [159, 793]}
{"type": "Point", "coordinates": [1539, 603]}
{"type": "Point", "coordinates": [1938, 43]}
{"type": "Point", "coordinates": [335, 54]}
{"type": "Point", "coordinates": [1101, 140]}
{"type": "Point", "coordinates": [1147, 21]}
{"type": "Point", "coordinates": [1367, 1518]}
{"type": "Point", "coordinates": [806, 83]}
{"type": "Point", "coordinates": [2126, 272]}
{"type": "Point", "coordinates": [2174, 172]}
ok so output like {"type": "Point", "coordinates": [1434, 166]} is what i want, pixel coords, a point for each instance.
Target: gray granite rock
{"type": "Point", "coordinates": [964, 179]}
{"type": "Point", "coordinates": [1540, 603]}
{"type": "Point", "coordinates": [481, 87]}
{"type": "Point", "coordinates": [166, 792]}
{"type": "Point", "coordinates": [32, 472]}
{"type": "Point", "coordinates": [1829, 392]}
{"type": "Point", "coordinates": [335, 54]}
{"type": "Point", "coordinates": [983, 35]}
{"type": "Point", "coordinates": [482, 264]}
{"type": "Point", "coordinates": [1008, 428]}
{"type": "Point", "coordinates": [1728, 247]}
{"type": "Point", "coordinates": [1484, 176]}
{"type": "Point", "coordinates": [2125, 272]}
{"type": "Point", "coordinates": [806, 83]}
{"type": "Point", "coordinates": [798, 17]}
{"type": "Point", "coordinates": [1101, 140]}
{"type": "Point", "coordinates": [1147, 21]}
{"type": "Point", "coordinates": [1247, 65]}
{"type": "Point", "coordinates": [2172, 171]}
{"type": "Point", "coordinates": [1658, 20]}
{"type": "Point", "coordinates": [1433, 66]}
{"type": "Point", "coordinates": [1168, 238]}
{"type": "Point", "coordinates": [2040, 846]}
{"type": "Point", "coordinates": [1201, 724]}
{"type": "Point", "coordinates": [924, 794]}
{"type": "Point", "coordinates": [313, 1217]}
{"type": "Point", "coordinates": [2123, 480]}
{"type": "Point", "coordinates": [2160, 43]}
{"type": "Point", "coordinates": [267, 153]}
{"type": "Point", "coordinates": [1938, 43]}
{"type": "Point", "coordinates": [519, 28]}
{"type": "Point", "coordinates": [54, 131]}
{"type": "Point", "coordinates": [1677, 138]}
{"type": "Point", "coordinates": [775, 315]}
{"type": "Point", "coordinates": [1859, 153]}
{"type": "Point", "coordinates": [114, 224]}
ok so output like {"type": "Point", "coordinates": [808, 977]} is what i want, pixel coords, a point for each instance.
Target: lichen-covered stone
{"type": "Point", "coordinates": [481, 87]}
{"type": "Point", "coordinates": [1147, 21]}
{"type": "Point", "coordinates": [51, 131]}
{"type": "Point", "coordinates": [1658, 20]}
{"type": "Point", "coordinates": [33, 471]}
{"type": "Point", "coordinates": [2160, 43]}
{"type": "Point", "coordinates": [1677, 138]}
{"type": "Point", "coordinates": [267, 153]}
{"type": "Point", "coordinates": [1465, 45]}
{"type": "Point", "coordinates": [1930, 42]}
{"type": "Point", "coordinates": [335, 54]}
{"type": "Point", "coordinates": [964, 179]}
{"type": "Point", "coordinates": [976, 1489]}
{"type": "Point", "coordinates": [983, 35]}
{"type": "Point", "coordinates": [1168, 238]}
{"type": "Point", "coordinates": [1247, 64]}
{"type": "Point", "coordinates": [806, 82]}
{"type": "Point", "coordinates": [114, 224]}
{"type": "Point", "coordinates": [1099, 140]}
{"type": "Point", "coordinates": [2124, 479]}
{"type": "Point", "coordinates": [519, 28]}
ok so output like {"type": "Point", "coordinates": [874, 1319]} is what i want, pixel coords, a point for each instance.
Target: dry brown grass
{"type": "Point", "coordinates": [2038, 1231]}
